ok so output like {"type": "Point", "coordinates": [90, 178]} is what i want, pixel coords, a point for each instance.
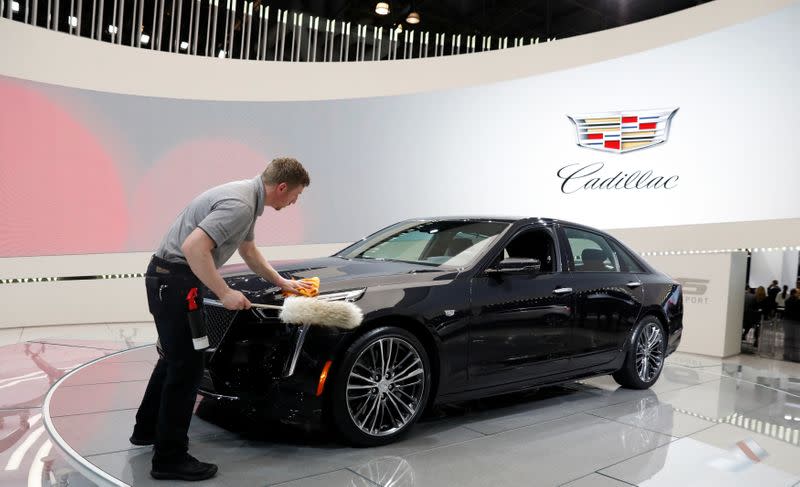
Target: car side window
{"type": "Point", "coordinates": [533, 244]}
{"type": "Point", "coordinates": [626, 262]}
{"type": "Point", "coordinates": [591, 252]}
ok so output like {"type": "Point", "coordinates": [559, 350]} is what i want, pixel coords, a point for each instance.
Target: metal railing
{"type": "Point", "coordinates": [240, 29]}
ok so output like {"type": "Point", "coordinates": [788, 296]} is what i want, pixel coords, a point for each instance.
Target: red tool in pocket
{"type": "Point", "coordinates": [197, 322]}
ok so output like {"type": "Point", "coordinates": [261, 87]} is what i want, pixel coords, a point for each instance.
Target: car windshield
{"type": "Point", "coordinates": [450, 243]}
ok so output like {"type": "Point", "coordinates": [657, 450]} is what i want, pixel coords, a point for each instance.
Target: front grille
{"type": "Point", "coordinates": [218, 320]}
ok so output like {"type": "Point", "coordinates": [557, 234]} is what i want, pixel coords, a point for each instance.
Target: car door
{"type": "Point", "coordinates": [521, 322]}
{"type": "Point", "coordinates": [608, 297]}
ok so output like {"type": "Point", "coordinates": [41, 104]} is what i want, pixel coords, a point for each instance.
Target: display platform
{"type": "Point", "coordinates": [705, 422]}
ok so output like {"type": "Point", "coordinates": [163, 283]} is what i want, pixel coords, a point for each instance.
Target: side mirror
{"type": "Point", "coordinates": [514, 265]}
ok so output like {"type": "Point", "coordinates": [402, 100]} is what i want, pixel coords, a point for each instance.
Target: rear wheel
{"type": "Point", "coordinates": [645, 357]}
{"type": "Point", "coordinates": [381, 387]}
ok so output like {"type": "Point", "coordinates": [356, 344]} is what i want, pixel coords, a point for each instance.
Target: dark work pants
{"type": "Point", "coordinates": [168, 402]}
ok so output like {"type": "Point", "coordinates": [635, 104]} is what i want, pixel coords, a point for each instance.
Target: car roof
{"type": "Point", "coordinates": [506, 219]}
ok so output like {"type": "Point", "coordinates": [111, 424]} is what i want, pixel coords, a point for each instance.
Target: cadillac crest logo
{"type": "Point", "coordinates": [621, 132]}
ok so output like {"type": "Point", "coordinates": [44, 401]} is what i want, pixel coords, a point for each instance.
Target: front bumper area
{"type": "Point", "coordinates": [266, 368]}
{"type": "Point", "coordinates": [277, 402]}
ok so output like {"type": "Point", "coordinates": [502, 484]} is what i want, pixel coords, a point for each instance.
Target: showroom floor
{"type": "Point", "coordinates": [706, 422]}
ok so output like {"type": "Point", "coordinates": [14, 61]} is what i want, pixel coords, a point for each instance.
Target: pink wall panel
{"type": "Point", "coordinates": [60, 191]}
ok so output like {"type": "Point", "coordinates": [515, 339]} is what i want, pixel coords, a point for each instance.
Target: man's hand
{"type": "Point", "coordinates": [235, 300]}
{"type": "Point", "coordinates": [294, 286]}
{"type": "Point", "coordinates": [256, 262]}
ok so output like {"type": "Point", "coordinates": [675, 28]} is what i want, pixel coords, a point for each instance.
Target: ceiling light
{"type": "Point", "coordinates": [73, 21]}
{"type": "Point", "coordinates": [413, 18]}
{"type": "Point", "coordinates": [15, 7]}
{"type": "Point", "coordinates": [184, 45]}
{"type": "Point", "coordinates": [145, 38]}
{"type": "Point", "coordinates": [399, 28]}
{"type": "Point", "coordinates": [382, 8]}
{"type": "Point", "coordinates": [112, 29]}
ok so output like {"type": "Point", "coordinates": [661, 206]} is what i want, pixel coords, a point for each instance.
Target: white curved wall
{"type": "Point", "coordinates": [95, 301]}
{"type": "Point", "coordinates": [136, 160]}
{"type": "Point", "coordinates": [63, 60]}
{"type": "Point", "coordinates": [57, 58]}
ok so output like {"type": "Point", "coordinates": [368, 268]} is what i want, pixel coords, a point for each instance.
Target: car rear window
{"type": "Point", "coordinates": [591, 252]}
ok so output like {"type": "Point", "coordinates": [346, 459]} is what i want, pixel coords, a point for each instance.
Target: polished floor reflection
{"type": "Point", "coordinates": [706, 422]}
{"type": "Point", "coordinates": [31, 360]}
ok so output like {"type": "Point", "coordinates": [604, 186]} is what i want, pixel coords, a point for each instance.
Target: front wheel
{"type": "Point", "coordinates": [645, 356]}
{"type": "Point", "coordinates": [381, 387]}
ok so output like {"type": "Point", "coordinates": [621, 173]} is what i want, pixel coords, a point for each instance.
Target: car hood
{"type": "Point", "coordinates": [335, 274]}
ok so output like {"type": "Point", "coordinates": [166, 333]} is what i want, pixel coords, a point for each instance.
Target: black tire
{"type": "Point", "coordinates": [633, 374]}
{"type": "Point", "coordinates": [397, 405]}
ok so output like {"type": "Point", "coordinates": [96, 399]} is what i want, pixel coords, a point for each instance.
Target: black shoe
{"type": "Point", "coordinates": [141, 440]}
{"type": "Point", "coordinates": [189, 468]}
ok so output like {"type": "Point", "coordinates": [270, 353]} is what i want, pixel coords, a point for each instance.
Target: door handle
{"type": "Point", "coordinates": [562, 290]}
{"type": "Point", "coordinates": [634, 284]}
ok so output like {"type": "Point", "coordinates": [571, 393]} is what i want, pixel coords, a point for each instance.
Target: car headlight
{"type": "Point", "coordinates": [351, 295]}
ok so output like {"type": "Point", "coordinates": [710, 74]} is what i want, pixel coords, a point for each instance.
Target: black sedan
{"type": "Point", "coordinates": [454, 309]}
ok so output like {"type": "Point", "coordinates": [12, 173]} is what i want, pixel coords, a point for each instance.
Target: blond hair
{"type": "Point", "coordinates": [285, 170]}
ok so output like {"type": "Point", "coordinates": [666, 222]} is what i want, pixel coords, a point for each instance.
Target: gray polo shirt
{"type": "Point", "coordinates": [227, 213]}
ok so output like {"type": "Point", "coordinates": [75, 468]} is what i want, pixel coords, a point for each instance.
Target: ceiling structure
{"type": "Point", "coordinates": [186, 26]}
{"type": "Point", "coordinates": [512, 18]}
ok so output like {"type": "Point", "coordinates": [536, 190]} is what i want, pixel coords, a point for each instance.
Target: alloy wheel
{"type": "Point", "coordinates": [385, 386]}
{"type": "Point", "coordinates": [649, 352]}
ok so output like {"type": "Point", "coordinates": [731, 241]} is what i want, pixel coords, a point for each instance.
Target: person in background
{"type": "Point", "coordinates": [791, 327]}
{"type": "Point", "coordinates": [762, 310]}
{"type": "Point", "coordinates": [780, 300]}
{"type": "Point", "coordinates": [754, 312]}
{"type": "Point", "coordinates": [750, 315]}
{"type": "Point", "coordinates": [772, 292]}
